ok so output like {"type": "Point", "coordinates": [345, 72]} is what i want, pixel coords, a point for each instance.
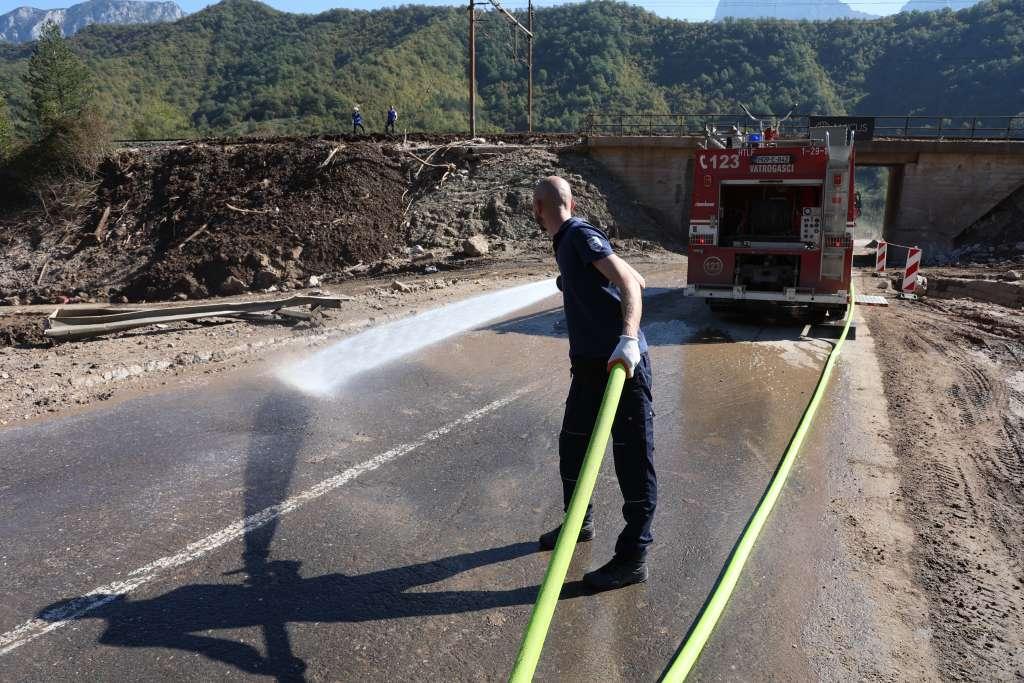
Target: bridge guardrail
{"type": "Point", "coordinates": [944, 126]}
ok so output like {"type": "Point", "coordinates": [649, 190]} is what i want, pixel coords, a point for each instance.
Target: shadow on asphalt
{"type": "Point", "coordinates": [274, 593]}
{"type": "Point", "coordinates": [182, 618]}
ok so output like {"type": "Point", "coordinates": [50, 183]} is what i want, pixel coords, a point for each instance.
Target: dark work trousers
{"type": "Point", "coordinates": [390, 125]}
{"type": "Point", "coordinates": [357, 127]}
{"type": "Point", "coordinates": [632, 446]}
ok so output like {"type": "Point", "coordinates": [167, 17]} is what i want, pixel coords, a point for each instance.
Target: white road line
{"type": "Point", "coordinates": [34, 628]}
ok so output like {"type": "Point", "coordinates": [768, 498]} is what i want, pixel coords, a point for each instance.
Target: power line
{"type": "Point", "coordinates": [516, 27]}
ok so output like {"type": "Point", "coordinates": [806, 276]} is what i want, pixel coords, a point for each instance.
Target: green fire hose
{"type": "Point", "coordinates": [544, 608]}
{"type": "Point", "coordinates": [551, 587]}
{"type": "Point", "coordinates": [691, 649]}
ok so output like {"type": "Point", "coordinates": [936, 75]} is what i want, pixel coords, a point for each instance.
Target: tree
{"type": "Point", "coordinates": [6, 129]}
{"type": "Point", "coordinates": [159, 120]}
{"type": "Point", "coordinates": [66, 133]}
{"type": "Point", "coordinates": [59, 85]}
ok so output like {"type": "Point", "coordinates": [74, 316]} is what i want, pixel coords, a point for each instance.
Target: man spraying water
{"type": "Point", "coordinates": [601, 295]}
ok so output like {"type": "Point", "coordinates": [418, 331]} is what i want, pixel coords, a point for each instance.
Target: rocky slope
{"type": "Point", "coordinates": [932, 5]}
{"type": "Point", "coordinates": [822, 9]}
{"type": "Point", "coordinates": [24, 23]}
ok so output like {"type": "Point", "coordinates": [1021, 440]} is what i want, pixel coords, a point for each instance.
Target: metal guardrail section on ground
{"type": "Point", "coordinates": [83, 322]}
{"type": "Point", "coordinates": [914, 127]}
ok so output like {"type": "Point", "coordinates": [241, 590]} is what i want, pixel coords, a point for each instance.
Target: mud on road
{"type": "Point", "coordinates": [42, 380]}
{"type": "Point", "coordinates": [953, 372]}
{"type": "Point", "coordinates": [953, 378]}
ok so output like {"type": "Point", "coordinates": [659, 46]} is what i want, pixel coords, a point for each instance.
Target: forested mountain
{"type": "Point", "coordinates": [240, 66]}
{"type": "Point", "coordinates": [25, 23]}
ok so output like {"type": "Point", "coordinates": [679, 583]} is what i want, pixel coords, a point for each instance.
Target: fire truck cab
{"type": "Point", "coordinates": [772, 220]}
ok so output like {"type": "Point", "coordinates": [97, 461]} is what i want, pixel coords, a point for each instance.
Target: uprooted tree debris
{"type": "Point", "coordinates": [193, 220]}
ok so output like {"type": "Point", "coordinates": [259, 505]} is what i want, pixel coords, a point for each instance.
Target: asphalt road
{"type": "Point", "coordinates": [403, 516]}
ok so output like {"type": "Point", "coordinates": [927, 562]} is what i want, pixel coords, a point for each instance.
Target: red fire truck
{"type": "Point", "coordinates": [772, 219]}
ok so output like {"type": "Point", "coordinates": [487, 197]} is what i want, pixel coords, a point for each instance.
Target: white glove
{"type": "Point", "coordinates": [627, 353]}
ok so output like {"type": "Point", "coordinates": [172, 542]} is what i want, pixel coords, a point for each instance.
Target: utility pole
{"type": "Point", "coordinates": [472, 69]}
{"type": "Point", "coordinates": [529, 67]}
{"type": "Point", "coordinates": [472, 60]}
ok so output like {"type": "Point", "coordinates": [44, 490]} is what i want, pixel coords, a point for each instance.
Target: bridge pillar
{"type": "Point", "coordinates": [657, 171]}
{"type": "Point", "coordinates": [893, 190]}
{"type": "Point", "coordinates": [943, 195]}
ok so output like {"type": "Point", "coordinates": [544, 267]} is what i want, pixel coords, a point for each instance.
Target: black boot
{"type": "Point", "coordinates": [547, 541]}
{"type": "Point", "coordinates": [617, 573]}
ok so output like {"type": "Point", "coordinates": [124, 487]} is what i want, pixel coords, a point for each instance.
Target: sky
{"type": "Point", "coordinates": [693, 10]}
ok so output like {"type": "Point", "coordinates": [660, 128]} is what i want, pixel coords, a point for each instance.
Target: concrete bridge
{"type": "Point", "coordinates": [937, 188]}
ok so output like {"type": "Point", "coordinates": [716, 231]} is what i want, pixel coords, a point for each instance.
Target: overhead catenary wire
{"type": "Point", "coordinates": [517, 26]}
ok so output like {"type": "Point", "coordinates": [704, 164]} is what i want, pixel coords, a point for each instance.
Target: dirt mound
{"type": "Point", "coordinates": [207, 219]}
{"type": "Point", "coordinates": [221, 217]}
{"type": "Point", "coordinates": [252, 214]}
{"type": "Point", "coordinates": [21, 330]}
{"type": "Point", "coordinates": [1002, 293]}
{"type": "Point", "coordinates": [998, 235]}
{"type": "Point", "coordinates": [490, 192]}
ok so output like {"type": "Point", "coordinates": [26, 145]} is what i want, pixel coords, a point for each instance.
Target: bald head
{"type": "Point", "coordinates": [552, 203]}
{"type": "Point", "coordinates": [555, 192]}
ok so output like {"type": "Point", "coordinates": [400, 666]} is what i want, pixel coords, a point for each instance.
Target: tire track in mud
{"type": "Point", "coordinates": [960, 443]}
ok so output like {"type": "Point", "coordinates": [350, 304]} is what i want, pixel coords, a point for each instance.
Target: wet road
{"type": "Point", "coordinates": [403, 517]}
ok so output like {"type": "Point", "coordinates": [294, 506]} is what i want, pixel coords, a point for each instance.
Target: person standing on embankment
{"type": "Point", "coordinates": [392, 117]}
{"type": "Point", "coordinates": [357, 120]}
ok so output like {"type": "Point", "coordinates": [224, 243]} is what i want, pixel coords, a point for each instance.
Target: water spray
{"type": "Point", "coordinates": [326, 371]}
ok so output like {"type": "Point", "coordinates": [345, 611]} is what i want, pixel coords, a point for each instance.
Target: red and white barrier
{"type": "Point", "coordinates": [910, 272]}
{"type": "Point", "coordinates": [880, 256]}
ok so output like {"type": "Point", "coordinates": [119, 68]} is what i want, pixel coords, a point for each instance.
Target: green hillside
{"type": "Point", "coordinates": [241, 66]}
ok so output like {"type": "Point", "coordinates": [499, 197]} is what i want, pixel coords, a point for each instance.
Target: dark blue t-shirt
{"type": "Point", "coordinates": [593, 305]}
{"type": "Point", "coordinates": [392, 115]}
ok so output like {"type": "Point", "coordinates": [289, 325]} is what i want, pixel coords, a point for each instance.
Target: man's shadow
{"type": "Point", "coordinates": [274, 593]}
{"type": "Point", "coordinates": [183, 618]}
